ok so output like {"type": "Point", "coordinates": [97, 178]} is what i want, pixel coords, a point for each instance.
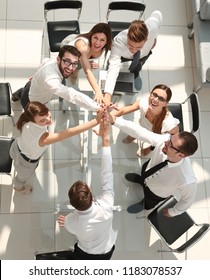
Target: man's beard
{"type": "Point", "coordinates": [63, 72]}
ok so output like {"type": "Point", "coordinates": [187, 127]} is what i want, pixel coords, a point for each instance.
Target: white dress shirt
{"type": "Point", "coordinates": [120, 49]}
{"type": "Point", "coordinates": [168, 123]}
{"type": "Point", "coordinates": [93, 227]}
{"type": "Point", "coordinates": [28, 141]}
{"type": "Point", "coordinates": [47, 81]}
{"type": "Point", "coordinates": [174, 176]}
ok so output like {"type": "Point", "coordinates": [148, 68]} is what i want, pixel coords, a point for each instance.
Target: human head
{"type": "Point", "coordinates": [80, 196]}
{"type": "Point", "coordinates": [180, 145]}
{"type": "Point", "coordinates": [68, 54]}
{"type": "Point", "coordinates": [35, 112]}
{"type": "Point", "coordinates": [103, 28]}
{"type": "Point", "coordinates": [166, 89]}
{"type": "Point", "coordinates": [158, 100]}
{"type": "Point", "coordinates": [137, 35]}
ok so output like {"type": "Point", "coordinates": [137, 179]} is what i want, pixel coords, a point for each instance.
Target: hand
{"type": "Point", "coordinates": [165, 213]}
{"type": "Point", "coordinates": [100, 114]}
{"type": "Point", "coordinates": [112, 118]}
{"type": "Point", "coordinates": [104, 129]}
{"type": "Point", "coordinates": [61, 220]}
{"type": "Point", "coordinates": [109, 105]}
{"type": "Point", "coordinates": [99, 97]}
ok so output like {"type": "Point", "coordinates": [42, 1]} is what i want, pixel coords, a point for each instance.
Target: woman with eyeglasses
{"type": "Point", "coordinates": [154, 115]}
{"type": "Point", "coordinates": [93, 46]}
{"type": "Point", "coordinates": [28, 148]}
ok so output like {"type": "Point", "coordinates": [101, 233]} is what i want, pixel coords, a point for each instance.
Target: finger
{"type": "Point", "coordinates": [96, 132]}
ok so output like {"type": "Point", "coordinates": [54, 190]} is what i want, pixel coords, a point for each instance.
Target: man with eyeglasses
{"type": "Point", "coordinates": [176, 175]}
{"type": "Point", "coordinates": [49, 81]}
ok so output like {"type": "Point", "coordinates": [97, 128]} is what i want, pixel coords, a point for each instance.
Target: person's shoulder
{"type": "Point", "coordinates": [121, 36]}
{"type": "Point", "coordinates": [82, 40]}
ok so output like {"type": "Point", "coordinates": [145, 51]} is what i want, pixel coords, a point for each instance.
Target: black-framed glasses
{"type": "Point", "coordinates": [170, 145]}
{"type": "Point", "coordinates": [69, 63]}
{"type": "Point", "coordinates": [160, 98]}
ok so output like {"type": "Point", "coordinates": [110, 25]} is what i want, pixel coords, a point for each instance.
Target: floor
{"type": "Point", "coordinates": [28, 222]}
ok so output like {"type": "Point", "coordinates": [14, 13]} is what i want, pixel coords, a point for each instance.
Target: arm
{"type": "Point", "coordinates": [188, 193]}
{"type": "Point", "coordinates": [118, 49]}
{"type": "Point", "coordinates": [137, 131]}
{"type": "Point", "coordinates": [84, 49]}
{"type": "Point", "coordinates": [72, 95]}
{"type": "Point", "coordinates": [126, 109]}
{"type": "Point", "coordinates": [107, 193]}
{"type": "Point", "coordinates": [50, 138]}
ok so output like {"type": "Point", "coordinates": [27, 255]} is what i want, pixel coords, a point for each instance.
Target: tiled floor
{"type": "Point", "coordinates": [28, 222]}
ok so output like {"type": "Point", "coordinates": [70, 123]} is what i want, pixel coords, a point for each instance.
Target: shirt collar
{"type": "Point", "coordinates": [175, 164]}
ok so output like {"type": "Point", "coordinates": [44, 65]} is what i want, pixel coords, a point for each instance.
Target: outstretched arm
{"type": "Point", "coordinates": [50, 138]}
{"type": "Point", "coordinates": [107, 194]}
{"type": "Point", "coordinates": [84, 49]}
{"type": "Point", "coordinates": [126, 109]}
{"type": "Point", "coordinates": [137, 131]}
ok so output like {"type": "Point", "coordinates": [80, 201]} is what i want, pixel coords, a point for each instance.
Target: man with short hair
{"type": "Point", "coordinates": [91, 220]}
{"type": "Point", "coordinates": [174, 174]}
{"type": "Point", "coordinates": [49, 81]}
{"type": "Point", "coordinates": [134, 43]}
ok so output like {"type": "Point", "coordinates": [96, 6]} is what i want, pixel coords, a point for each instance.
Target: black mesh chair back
{"type": "Point", "coordinates": [177, 112]}
{"type": "Point", "coordinates": [171, 229]}
{"type": "Point", "coordinates": [5, 100]}
{"type": "Point", "coordinates": [117, 26]}
{"type": "Point", "coordinates": [58, 30]}
{"type": "Point", "coordinates": [5, 159]}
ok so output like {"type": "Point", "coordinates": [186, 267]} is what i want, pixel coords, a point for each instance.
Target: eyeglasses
{"type": "Point", "coordinates": [170, 145]}
{"type": "Point", "coordinates": [69, 63]}
{"type": "Point", "coordinates": [160, 98]}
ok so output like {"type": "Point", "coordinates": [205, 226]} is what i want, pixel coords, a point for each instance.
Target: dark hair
{"type": "Point", "coordinates": [158, 121]}
{"type": "Point", "coordinates": [66, 48]}
{"type": "Point", "coordinates": [100, 28]}
{"type": "Point", "coordinates": [138, 31]}
{"type": "Point", "coordinates": [31, 110]}
{"type": "Point", "coordinates": [189, 143]}
{"type": "Point", "coordinates": [80, 196]}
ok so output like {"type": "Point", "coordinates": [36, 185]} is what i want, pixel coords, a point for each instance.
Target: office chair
{"type": "Point", "coordinates": [171, 229]}
{"type": "Point", "coordinates": [5, 159]}
{"type": "Point", "coordinates": [117, 26]}
{"type": "Point", "coordinates": [5, 101]}
{"type": "Point", "coordinates": [176, 110]}
{"type": "Point", "coordinates": [58, 30]}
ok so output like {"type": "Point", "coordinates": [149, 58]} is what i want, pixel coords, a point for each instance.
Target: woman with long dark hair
{"type": "Point", "coordinates": [92, 45]}
{"type": "Point", "coordinates": [154, 114]}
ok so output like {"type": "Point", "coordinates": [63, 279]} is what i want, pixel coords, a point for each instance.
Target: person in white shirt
{"type": "Point", "coordinates": [154, 114]}
{"type": "Point", "coordinates": [140, 38]}
{"type": "Point", "coordinates": [28, 148]}
{"type": "Point", "coordinates": [91, 220]}
{"type": "Point", "coordinates": [49, 81]}
{"type": "Point", "coordinates": [177, 175]}
{"type": "Point", "coordinates": [94, 47]}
